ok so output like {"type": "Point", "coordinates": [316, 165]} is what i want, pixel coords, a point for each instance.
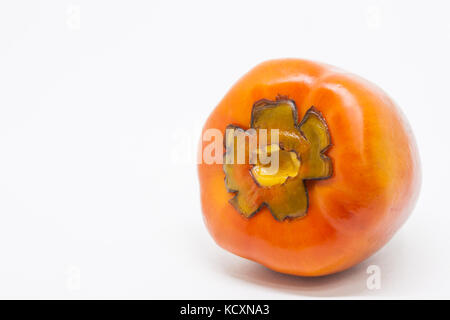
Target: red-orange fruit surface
{"type": "Point", "coordinates": [350, 161]}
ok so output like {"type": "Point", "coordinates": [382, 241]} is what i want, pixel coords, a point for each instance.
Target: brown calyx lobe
{"type": "Point", "coordinates": [285, 195]}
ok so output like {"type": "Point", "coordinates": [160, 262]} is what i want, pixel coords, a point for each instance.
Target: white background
{"type": "Point", "coordinates": [101, 103]}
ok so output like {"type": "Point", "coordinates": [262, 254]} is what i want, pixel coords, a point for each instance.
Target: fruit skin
{"type": "Point", "coordinates": [375, 182]}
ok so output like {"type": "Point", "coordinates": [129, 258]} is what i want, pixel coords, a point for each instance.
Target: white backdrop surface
{"type": "Point", "coordinates": [100, 108]}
